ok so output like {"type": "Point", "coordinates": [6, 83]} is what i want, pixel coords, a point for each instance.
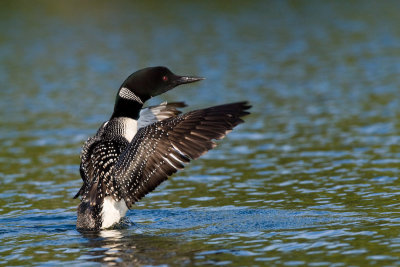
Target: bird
{"type": "Point", "coordinates": [139, 148]}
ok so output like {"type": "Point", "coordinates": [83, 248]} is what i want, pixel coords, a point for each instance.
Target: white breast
{"type": "Point", "coordinates": [112, 211]}
{"type": "Point", "coordinates": [130, 128]}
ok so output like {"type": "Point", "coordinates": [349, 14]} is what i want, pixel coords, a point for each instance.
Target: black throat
{"type": "Point", "coordinates": [126, 108]}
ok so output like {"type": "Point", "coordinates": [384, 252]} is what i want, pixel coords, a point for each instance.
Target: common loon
{"type": "Point", "coordinates": [137, 149]}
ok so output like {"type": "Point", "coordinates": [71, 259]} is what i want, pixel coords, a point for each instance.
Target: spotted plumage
{"type": "Point", "coordinates": [159, 150]}
{"type": "Point", "coordinates": [137, 149]}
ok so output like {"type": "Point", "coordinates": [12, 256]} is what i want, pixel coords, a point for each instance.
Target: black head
{"type": "Point", "coordinates": [154, 81]}
{"type": "Point", "coordinates": [144, 84]}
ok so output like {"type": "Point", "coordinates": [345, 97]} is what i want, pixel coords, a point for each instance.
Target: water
{"type": "Point", "coordinates": [311, 178]}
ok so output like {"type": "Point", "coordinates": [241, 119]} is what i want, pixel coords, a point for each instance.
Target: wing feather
{"type": "Point", "coordinates": [161, 112]}
{"type": "Point", "coordinates": [97, 170]}
{"type": "Point", "coordinates": [160, 149]}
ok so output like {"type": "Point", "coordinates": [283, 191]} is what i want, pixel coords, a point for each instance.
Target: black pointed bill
{"type": "Point", "coordinates": [187, 79]}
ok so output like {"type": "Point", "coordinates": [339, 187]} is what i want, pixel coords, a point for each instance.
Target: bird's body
{"type": "Point", "coordinates": [137, 148]}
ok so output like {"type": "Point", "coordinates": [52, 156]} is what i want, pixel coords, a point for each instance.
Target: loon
{"type": "Point", "coordinates": [138, 148]}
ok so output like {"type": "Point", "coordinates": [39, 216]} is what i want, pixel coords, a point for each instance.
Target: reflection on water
{"type": "Point", "coordinates": [113, 247]}
{"type": "Point", "coordinates": [311, 178]}
{"type": "Point", "coordinates": [177, 237]}
{"type": "Point", "coordinates": [108, 247]}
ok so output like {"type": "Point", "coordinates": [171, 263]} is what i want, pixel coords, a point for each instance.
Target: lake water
{"type": "Point", "coordinates": [311, 178]}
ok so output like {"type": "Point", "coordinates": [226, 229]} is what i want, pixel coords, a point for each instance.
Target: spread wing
{"type": "Point", "coordinates": [159, 150]}
{"type": "Point", "coordinates": [87, 150]}
{"type": "Point", "coordinates": [161, 112]}
{"type": "Point", "coordinates": [95, 171]}
{"type": "Point", "coordinates": [98, 161]}
{"type": "Point", "coordinates": [86, 166]}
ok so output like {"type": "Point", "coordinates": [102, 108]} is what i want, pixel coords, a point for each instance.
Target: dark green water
{"type": "Point", "coordinates": [311, 178]}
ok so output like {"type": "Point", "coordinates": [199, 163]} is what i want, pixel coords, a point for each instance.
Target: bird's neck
{"type": "Point", "coordinates": [127, 108]}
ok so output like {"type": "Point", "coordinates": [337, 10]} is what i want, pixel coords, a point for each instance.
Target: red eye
{"type": "Point", "coordinates": [165, 78]}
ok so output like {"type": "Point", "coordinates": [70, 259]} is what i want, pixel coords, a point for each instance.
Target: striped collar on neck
{"type": "Point", "coordinates": [128, 94]}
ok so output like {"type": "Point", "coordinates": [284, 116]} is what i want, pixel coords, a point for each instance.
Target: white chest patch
{"type": "Point", "coordinates": [130, 128]}
{"type": "Point", "coordinates": [112, 212]}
